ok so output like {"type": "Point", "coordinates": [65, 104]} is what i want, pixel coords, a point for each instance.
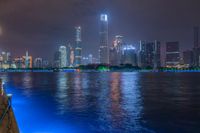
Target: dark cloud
{"type": "Point", "coordinates": [41, 25]}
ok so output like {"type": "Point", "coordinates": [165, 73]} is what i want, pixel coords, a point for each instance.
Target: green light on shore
{"type": "Point", "coordinates": [103, 68]}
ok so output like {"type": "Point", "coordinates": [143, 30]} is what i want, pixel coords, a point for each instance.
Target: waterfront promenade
{"type": "Point", "coordinates": [8, 123]}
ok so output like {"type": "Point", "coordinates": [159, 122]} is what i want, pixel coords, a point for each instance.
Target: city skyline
{"type": "Point", "coordinates": [34, 25]}
{"type": "Point", "coordinates": [107, 66]}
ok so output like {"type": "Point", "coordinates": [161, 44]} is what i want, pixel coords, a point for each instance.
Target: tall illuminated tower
{"type": "Point", "coordinates": [115, 52]}
{"type": "Point", "coordinates": [104, 50]}
{"type": "Point", "coordinates": [63, 56]}
{"type": "Point", "coordinates": [78, 48]}
{"type": "Point", "coordinates": [26, 60]}
{"type": "Point", "coordinates": [149, 54]}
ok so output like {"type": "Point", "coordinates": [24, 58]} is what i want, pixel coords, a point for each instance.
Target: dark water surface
{"type": "Point", "coordinates": [105, 102]}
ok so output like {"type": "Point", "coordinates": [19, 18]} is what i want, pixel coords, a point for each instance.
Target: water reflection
{"type": "Point", "coordinates": [76, 95]}
{"type": "Point", "coordinates": [117, 111]}
{"type": "Point", "coordinates": [61, 93]}
{"type": "Point", "coordinates": [132, 101]}
{"type": "Point", "coordinates": [105, 102]}
{"type": "Point", "coordinates": [27, 84]}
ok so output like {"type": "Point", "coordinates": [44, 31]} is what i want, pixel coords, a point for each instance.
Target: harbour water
{"type": "Point", "coordinates": [105, 102]}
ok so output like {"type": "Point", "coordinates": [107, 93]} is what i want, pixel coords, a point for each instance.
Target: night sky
{"type": "Point", "coordinates": [40, 26]}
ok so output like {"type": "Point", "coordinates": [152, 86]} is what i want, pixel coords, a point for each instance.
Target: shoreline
{"type": "Point", "coordinates": [91, 70]}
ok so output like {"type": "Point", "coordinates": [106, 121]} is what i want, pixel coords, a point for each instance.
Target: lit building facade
{"type": "Point", "coordinates": [188, 58]}
{"type": "Point", "coordinates": [172, 54]}
{"type": "Point", "coordinates": [27, 61]}
{"type": "Point", "coordinates": [149, 54]}
{"type": "Point", "coordinates": [38, 63]}
{"type": "Point", "coordinates": [78, 48]}
{"type": "Point", "coordinates": [115, 54]}
{"type": "Point", "coordinates": [46, 64]}
{"type": "Point", "coordinates": [104, 50]}
{"type": "Point", "coordinates": [19, 62]}
{"type": "Point", "coordinates": [5, 60]}
{"type": "Point", "coordinates": [71, 56]}
{"type": "Point", "coordinates": [56, 63]}
{"type": "Point", "coordinates": [90, 59]}
{"type": "Point", "coordinates": [63, 56]}
{"type": "Point", "coordinates": [196, 49]}
{"type": "Point", "coordinates": [129, 55]}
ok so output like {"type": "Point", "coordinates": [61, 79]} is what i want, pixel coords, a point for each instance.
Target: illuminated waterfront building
{"type": "Point", "coordinates": [71, 56]}
{"type": "Point", "coordinates": [78, 48]}
{"type": "Point", "coordinates": [85, 60]}
{"type": "Point", "coordinates": [46, 64]}
{"type": "Point", "coordinates": [90, 59]}
{"type": "Point", "coordinates": [4, 56]}
{"type": "Point", "coordinates": [19, 62]}
{"type": "Point", "coordinates": [149, 54]}
{"type": "Point", "coordinates": [38, 63]}
{"type": "Point", "coordinates": [129, 55]}
{"type": "Point", "coordinates": [8, 58]}
{"type": "Point", "coordinates": [115, 54]}
{"type": "Point", "coordinates": [56, 62]}
{"type": "Point", "coordinates": [172, 54]}
{"type": "Point", "coordinates": [196, 49]}
{"type": "Point", "coordinates": [63, 56]}
{"type": "Point", "coordinates": [104, 50]}
{"type": "Point", "coordinates": [5, 60]}
{"type": "Point", "coordinates": [188, 58]}
{"type": "Point", "coordinates": [27, 61]}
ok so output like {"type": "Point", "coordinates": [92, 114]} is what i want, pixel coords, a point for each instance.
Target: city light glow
{"type": "Point", "coordinates": [104, 17]}
{"type": "Point", "coordinates": [129, 47]}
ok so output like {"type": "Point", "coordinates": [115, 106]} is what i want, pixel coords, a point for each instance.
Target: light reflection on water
{"type": "Point", "coordinates": [61, 93]}
{"type": "Point", "coordinates": [105, 102]}
{"type": "Point", "coordinates": [27, 84]}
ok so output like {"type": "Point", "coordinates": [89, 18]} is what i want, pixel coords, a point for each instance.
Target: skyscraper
{"type": "Point", "coordinates": [18, 62]}
{"type": "Point", "coordinates": [172, 54]}
{"type": "Point", "coordinates": [27, 61]}
{"type": "Point", "coordinates": [90, 58]}
{"type": "Point", "coordinates": [157, 55]}
{"type": "Point", "coordinates": [56, 63]}
{"type": "Point", "coordinates": [104, 50]}
{"type": "Point", "coordinates": [71, 56]}
{"type": "Point", "coordinates": [78, 48]}
{"type": "Point", "coordinates": [196, 49]}
{"type": "Point", "coordinates": [115, 55]}
{"type": "Point", "coordinates": [149, 54]}
{"type": "Point", "coordinates": [46, 64]}
{"type": "Point", "coordinates": [63, 56]}
{"type": "Point", "coordinates": [129, 55]}
{"type": "Point", "coordinates": [188, 57]}
{"type": "Point", "coordinates": [38, 63]}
